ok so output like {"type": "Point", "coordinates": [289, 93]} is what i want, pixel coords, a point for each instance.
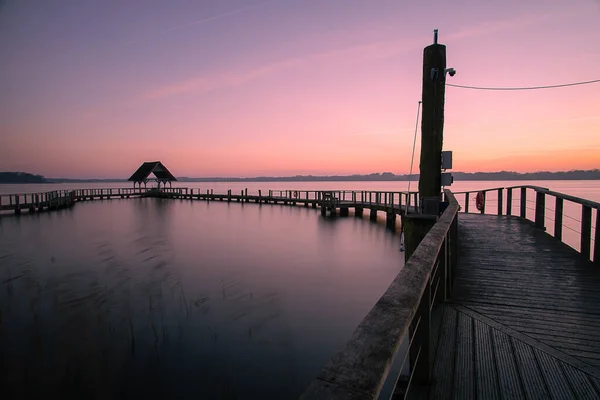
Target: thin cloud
{"type": "Point", "coordinates": [487, 27]}
{"type": "Point", "coordinates": [366, 51]}
{"type": "Point", "coordinates": [236, 76]}
{"type": "Point", "coordinates": [386, 132]}
{"type": "Point", "coordinates": [198, 22]}
{"type": "Point", "coordinates": [217, 80]}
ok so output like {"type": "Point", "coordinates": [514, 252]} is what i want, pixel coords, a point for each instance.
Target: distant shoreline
{"type": "Point", "coordinates": [594, 174]}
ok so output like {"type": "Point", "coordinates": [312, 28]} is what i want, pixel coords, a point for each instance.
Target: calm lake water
{"type": "Point", "coordinates": [182, 299]}
{"type": "Point", "coordinates": [185, 299]}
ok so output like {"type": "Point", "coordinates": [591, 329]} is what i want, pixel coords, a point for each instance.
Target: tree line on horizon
{"type": "Point", "coordinates": [593, 174]}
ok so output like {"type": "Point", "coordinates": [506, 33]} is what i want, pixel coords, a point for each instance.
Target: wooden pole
{"type": "Point", "coordinates": [432, 121]}
{"type": "Point", "coordinates": [540, 210]}
{"type": "Point", "coordinates": [415, 227]}
{"type": "Point", "coordinates": [558, 217]}
{"type": "Point", "coordinates": [597, 239]}
{"type": "Point", "coordinates": [586, 230]}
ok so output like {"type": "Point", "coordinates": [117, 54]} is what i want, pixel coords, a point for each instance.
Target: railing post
{"type": "Point", "coordinates": [453, 255]}
{"type": "Point", "coordinates": [523, 212]}
{"type": "Point", "coordinates": [422, 341]}
{"type": "Point", "coordinates": [558, 218]}
{"type": "Point", "coordinates": [586, 230]}
{"type": "Point", "coordinates": [467, 202]}
{"type": "Point", "coordinates": [540, 210]}
{"type": "Point", "coordinates": [500, 201]}
{"type": "Point", "coordinates": [509, 201]}
{"type": "Point", "coordinates": [442, 290]}
{"type": "Point", "coordinates": [483, 207]}
{"type": "Point", "coordinates": [597, 239]}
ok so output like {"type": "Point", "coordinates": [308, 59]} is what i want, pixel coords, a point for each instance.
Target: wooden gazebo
{"type": "Point", "coordinates": [160, 172]}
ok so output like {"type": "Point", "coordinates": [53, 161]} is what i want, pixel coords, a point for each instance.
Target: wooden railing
{"type": "Point", "coordinates": [355, 196]}
{"type": "Point", "coordinates": [576, 215]}
{"type": "Point", "coordinates": [36, 201]}
{"type": "Point", "coordinates": [108, 192]}
{"type": "Point", "coordinates": [360, 370]}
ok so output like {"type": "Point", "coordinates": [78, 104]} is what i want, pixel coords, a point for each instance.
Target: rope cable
{"type": "Point", "coordinates": [524, 88]}
{"type": "Point", "coordinates": [412, 159]}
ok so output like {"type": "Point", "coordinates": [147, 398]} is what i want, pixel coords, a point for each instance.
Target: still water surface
{"type": "Point", "coordinates": [182, 299]}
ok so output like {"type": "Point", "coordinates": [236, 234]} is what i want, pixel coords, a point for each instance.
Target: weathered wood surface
{"type": "Point", "coordinates": [432, 121]}
{"type": "Point", "coordinates": [524, 318]}
{"type": "Point", "coordinates": [479, 358]}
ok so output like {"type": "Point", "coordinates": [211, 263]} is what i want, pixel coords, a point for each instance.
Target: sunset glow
{"type": "Point", "coordinates": [276, 87]}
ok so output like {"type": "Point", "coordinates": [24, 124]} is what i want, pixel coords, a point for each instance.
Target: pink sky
{"type": "Point", "coordinates": [247, 88]}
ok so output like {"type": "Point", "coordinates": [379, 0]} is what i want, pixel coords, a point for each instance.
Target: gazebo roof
{"type": "Point", "coordinates": [153, 167]}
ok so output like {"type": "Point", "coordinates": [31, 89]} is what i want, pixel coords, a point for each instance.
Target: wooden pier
{"type": "Point", "coordinates": [330, 202]}
{"type": "Point", "coordinates": [37, 202]}
{"type": "Point", "coordinates": [489, 307]}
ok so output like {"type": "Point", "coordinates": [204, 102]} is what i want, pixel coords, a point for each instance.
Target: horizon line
{"type": "Point", "coordinates": [391, 174]}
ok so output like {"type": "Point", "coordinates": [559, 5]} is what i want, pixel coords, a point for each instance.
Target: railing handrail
{"type": "Point", "coordinates": [568, 197]}
{"type": "Point", "coordinates": [361, 367]}
{"type": "Point", "coordinates": [68, 191]}
{"type": "Point", "coordinates": [481, 190]}
{"type": "Point", "coordinates": [564, 196]}
{"type": "Point", "coordinates": [527, 187]}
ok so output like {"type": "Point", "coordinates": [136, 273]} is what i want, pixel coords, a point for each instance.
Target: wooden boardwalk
{"type": "Point", "coordinates": [393, 203]}
{"type": "Point", "coordinates": [523, 320]}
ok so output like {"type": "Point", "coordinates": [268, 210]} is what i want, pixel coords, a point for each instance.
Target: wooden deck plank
{"type": "Point", "coordinates": [464, 372]}
{"type": "Point", "coordinates": [531, 376]}
{"type": "Point", "coordinates": [536, 314]}
{"type": "Point", "coordinates": [581, 385]}
{"type": "Point", "coordinates": [508, 375]}
{"type": "Point", "coordinates": [555, 380]}
{"type": "Point", "coordinates": [550, 327]}
{"type": "Point", "coordinates": [485, 363]}
{"type": "Point", "coordinates": [443, 368]}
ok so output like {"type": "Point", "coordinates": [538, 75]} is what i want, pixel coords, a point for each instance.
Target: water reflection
{"type": "Point", "coordinates": [161, 298]}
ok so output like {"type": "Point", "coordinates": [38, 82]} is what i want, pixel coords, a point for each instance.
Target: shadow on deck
{"type": "Point", "coordinates": [523, 320]}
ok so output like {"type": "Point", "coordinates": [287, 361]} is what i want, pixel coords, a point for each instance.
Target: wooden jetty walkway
{"type": "Point", "coordinates": [330, 202]}
{"type": "Point", "coordinates": [489, 307]}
